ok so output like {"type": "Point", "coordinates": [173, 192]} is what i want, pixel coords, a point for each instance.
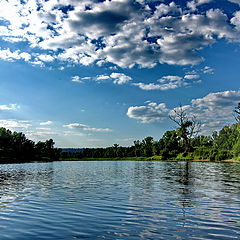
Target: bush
{"type": "Point", "coordinates": [202, 152]}
{"type": "Point", "coordinates": [236, 148]}
{"type": "Point", "coordinates": [221, 155]}
{"type": "Point", "coordinates": [184, 156]}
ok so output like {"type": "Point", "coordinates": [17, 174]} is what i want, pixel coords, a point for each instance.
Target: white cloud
{"type": "Point", "coordinates": [123, 32]}
{"type": "Point", "coordinates": [165, 79]}
{"type": "Point", "coordinates": [236, 20]}
{"type": "Point", "coordinates": [120, 78]}
{"type": "Point", "coordinates": [195, 3]}
{"type": "Point", "coordinates": [46, 123]}
{"type": "Point", "coordinates": [97, 129]}
{"type": "Point", "coordinates": [151, 112]}
{"type": "Point", "coordinates": [153, 86]}
{"type": "Point", "coordinates": [214, 110]}
{"type": "Point", "coordinates": [14, 124]}
{"type": "Point", "coordinates": [9, 107]}
{"type": "Point", "coordinates": [85, 127]}
{"type": "Point", "coordinates": [167, 83]}
{"type": "Point", "coordinates": [235, 1]}
{"type": "Point", "coordinates": [191, 76]}
{"type": "Point", "coordinates": [76, 79]}
{"type": "Point", "coordinates": [46, 58]}
{"type": "Point", "coordinates": [102, 77]}
{"type": "Point", "coordinates": [8, 55]}
{"type": "Point", "coordinates": [204, 70]}
{"type": "Point", "coordinates": [116, 78]}
{"type": "Point", "coordinates": [12, 39]}
{"type": "Point", "coordinates": [75, 125]}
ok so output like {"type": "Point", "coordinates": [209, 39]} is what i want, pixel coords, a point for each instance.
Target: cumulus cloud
{"type": "Point", "coordinates": [102, 77]}
{"type": "Point", "coordinates": [45, 57]}
{"type": "Point", "coordinates": [151, 112]}
{"type": "Point", "coordinates": [153, 86]}
{"type": "Point", "coordinates": [191, 76]}
{"type": "Point", "coordinates": [101, 19]}
{"type": "Point", "coordinates": [164, 83]}
{"type": "Point", "coordinates": [75, 125]}
{"type": "Point", "coordinates": [213, 111]}
{"type": "Point", "coordinates": [46, 123]}
{"type": "Point", "coordinates": [8, 55]}
{"type": "Point", "coordinates": [195, 3]}
{"type": "Point", "coordinates": [235, 1]}
{"type": "Point", "coordinates": [14, 124]}
{"type": "Point", "coordinates": [97, 129]}
{"type": "Point", "coordinates": [76, 79]}
{"type": "Point", "coordinates": [168, 82]}
{"type": "Point", "coordinates": [10, 107]}
{"type": "Point", "coordinates": [236, 20]}
{"type": "Point", "coordinates": [86, 127]}
{"type": "Point", "coordinates": [123, 32]}
{"type": "Point", "coordinates": [116, 78]}
{"type": "Point", "coordinates": [120, 78]}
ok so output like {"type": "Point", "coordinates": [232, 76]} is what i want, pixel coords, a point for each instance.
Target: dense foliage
{"type": "Point", "coordinates": [221, 145]}
{"type": "Point", "coordinates": [15, 147]}
{"type": "Point", "coordinates": [181, 144]}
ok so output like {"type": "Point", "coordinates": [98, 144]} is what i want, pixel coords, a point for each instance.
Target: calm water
{"type": "Point", "coordinates": [120, 200]}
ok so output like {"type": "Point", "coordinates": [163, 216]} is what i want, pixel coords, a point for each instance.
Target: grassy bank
{"type": "Point", "coordinates": [153, 158]}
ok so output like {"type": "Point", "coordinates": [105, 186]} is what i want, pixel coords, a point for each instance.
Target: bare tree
{"type": "Point", "coordinates": [237, 112]}
{"type": "Point", "coordinates": [188, 125]}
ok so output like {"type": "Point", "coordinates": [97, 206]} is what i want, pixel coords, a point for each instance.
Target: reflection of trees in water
{"type": "Point", "coordinates": [144, 175]}
{"type": "Point", "coordinates": [230, 171]}
{"type": "Point", "coordinates": [179, 179]}
{"type": "Point", "coordinates": [19, 181]}
{"type": "Point", "coordinates": [210, 181]}
{"type": "Point", "coordinates": [224, 183]}
{"type": "Point", "coordinates": [185, 193]}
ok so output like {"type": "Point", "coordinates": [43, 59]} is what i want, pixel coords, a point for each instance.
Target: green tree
{"type": "Point", "coordinates": [202, 141]}
{"type": "Point", "coordinates": [226, 138]}
{"type": "Point", "coordinates": [170, 144]}
{"type": "Point", "coordinates": [147, 146]}
{"type": "Point", "coordinates": [137, 148]}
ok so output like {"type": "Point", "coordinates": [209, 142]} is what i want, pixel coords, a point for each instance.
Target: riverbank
{"type": "Point", "coordinates": [154, 158]}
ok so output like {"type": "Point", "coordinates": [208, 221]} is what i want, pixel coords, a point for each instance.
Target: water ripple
{"type": "Point", "coordinates": [120, 200]}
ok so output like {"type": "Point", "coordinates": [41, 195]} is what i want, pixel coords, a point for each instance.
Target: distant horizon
{"type": "Point", "coordinates": [93, 73]}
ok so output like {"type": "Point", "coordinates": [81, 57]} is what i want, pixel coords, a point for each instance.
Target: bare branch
{"type": "Point", "coordinates": [188, 125]}
{"type": "Point", "coordinates": [237, 111]}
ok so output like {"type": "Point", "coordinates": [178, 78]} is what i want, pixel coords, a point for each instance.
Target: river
{"type": "Point", "coordinates": [120, 200]}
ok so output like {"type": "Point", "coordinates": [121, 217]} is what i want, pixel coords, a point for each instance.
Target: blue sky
{"type": "Point", "coordinates": [93, 73]}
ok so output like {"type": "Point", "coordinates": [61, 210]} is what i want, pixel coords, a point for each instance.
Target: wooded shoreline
{"type": "Point", "coordinates": [182, 144]}
{"type": "Point", "coordinates": [155, 159]}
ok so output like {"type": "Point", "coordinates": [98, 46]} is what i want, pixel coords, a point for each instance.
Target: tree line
{"type": "Point", "coordinates": [182, 143]}
{"type": "Point", "coordinates": [15, 147]}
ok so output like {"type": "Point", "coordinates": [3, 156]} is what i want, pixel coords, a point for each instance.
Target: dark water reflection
{"type": "Point", "coordinates": [120, 200]}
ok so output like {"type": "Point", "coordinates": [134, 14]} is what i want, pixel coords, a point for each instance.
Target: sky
{"type": "Point", "coordinates": [93, 73]}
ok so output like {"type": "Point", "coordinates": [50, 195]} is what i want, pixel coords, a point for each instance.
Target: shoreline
{"type": "Point", "coordinates": [151, 159]}
{"type": "Point", "coordinates": [137, 159]}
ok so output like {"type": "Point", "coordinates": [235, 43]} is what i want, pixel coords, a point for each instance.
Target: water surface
{"type": "Point", "coordinates": [120, 200]}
